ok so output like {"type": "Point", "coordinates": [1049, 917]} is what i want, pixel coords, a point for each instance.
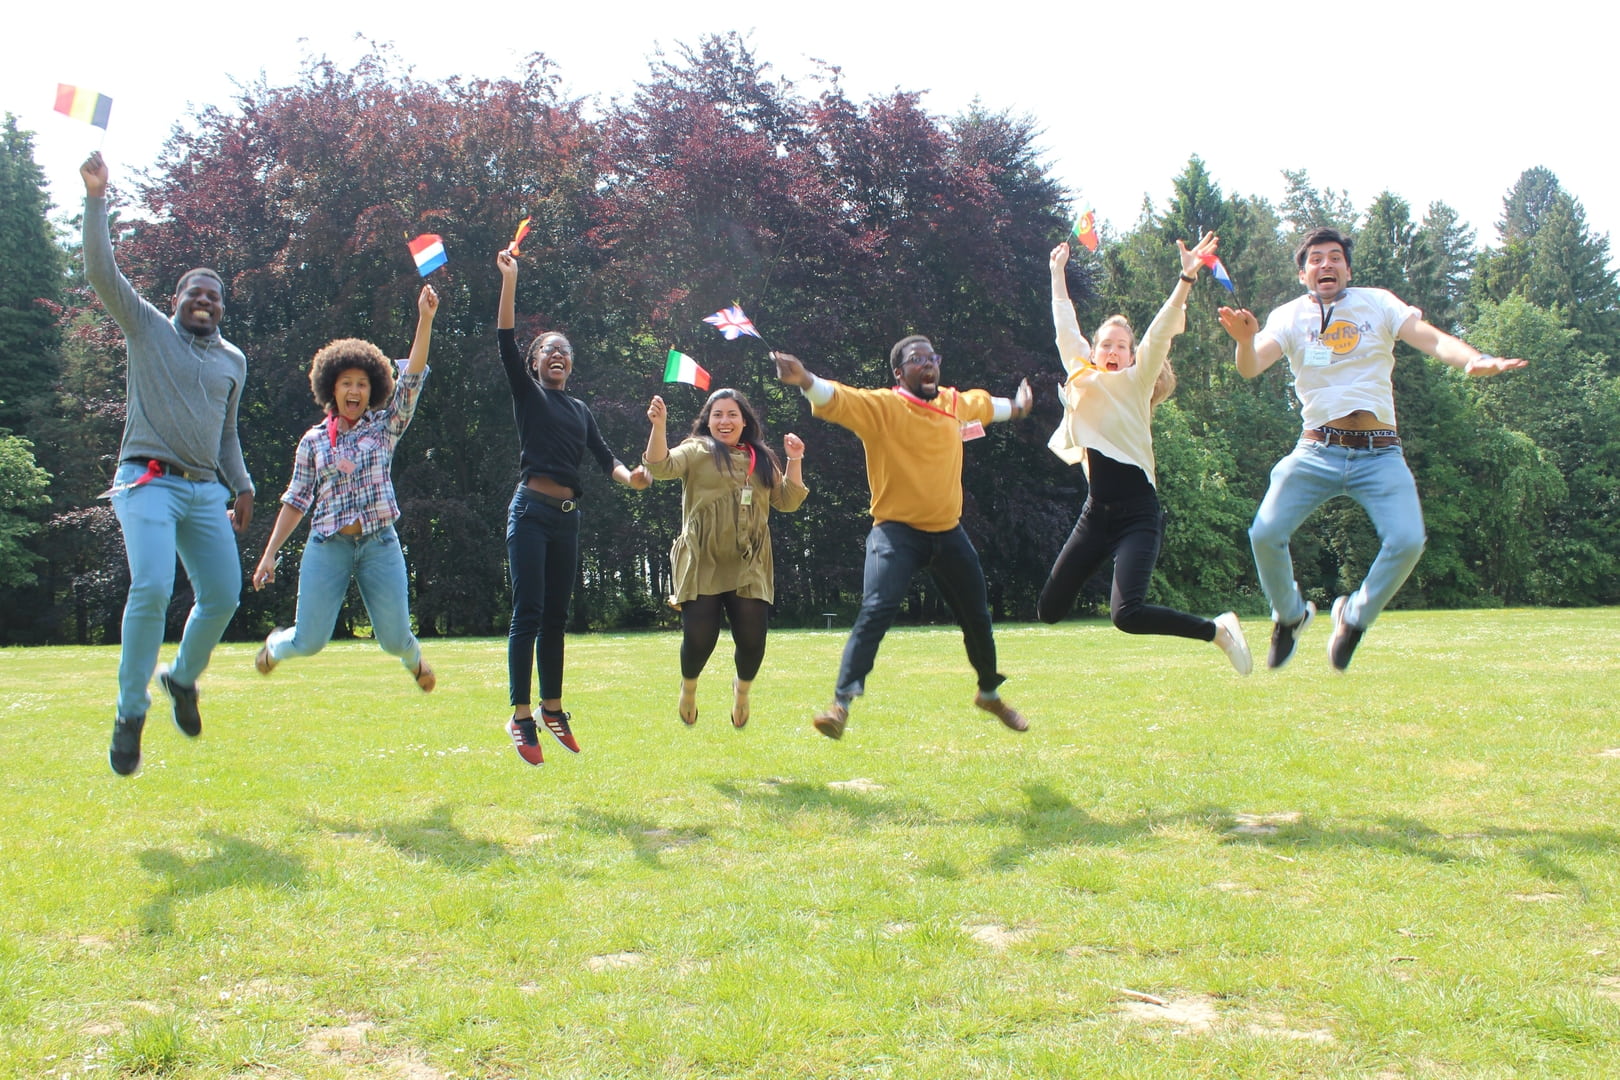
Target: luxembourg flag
{"type": "Point", "coordinates": [428, 251]}
{"type": "Point", "coordinates": [1218, 270]}
{"type": "Point", "coordinates": [682, 368]}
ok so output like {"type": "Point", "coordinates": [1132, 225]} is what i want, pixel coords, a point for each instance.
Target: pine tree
{"type": "Point", "coordinates": [30, 279]}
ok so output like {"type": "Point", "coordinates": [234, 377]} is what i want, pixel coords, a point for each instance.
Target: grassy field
{"type": "Point", "coordinates": [1411, 870]}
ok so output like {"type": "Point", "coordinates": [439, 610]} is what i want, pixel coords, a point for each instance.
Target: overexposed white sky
{"type": "Point", "coordinates": [1431, 101]}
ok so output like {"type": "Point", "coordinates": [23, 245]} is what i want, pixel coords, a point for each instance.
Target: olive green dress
{"type": "Point", "coordinates": [725, 541]}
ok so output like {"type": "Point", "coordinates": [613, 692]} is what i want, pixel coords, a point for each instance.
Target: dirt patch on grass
{"type": "Point", "coordinates": [1263, 824]}
{"type": "Point", "coordinates": [860, 784]}
{"type": "Point", "coordinates": [1538, 897]}
{"type": "Point", "coordinates": [1611, 752]}
{"type": "Point", "coordinates": [614, 961]}
{"type": "Point", "coordinates": [1235, 888]}
{"type": "Point", "coordinates": [1192, 1015]}
{"type": "Point", "coordinates": [341, 1042]}
{"type": "Point", "coordinates": [1609, 987]}
{"type": "Point", "coordinates": [1275, 1026]}
{"type": "Point", "coordinates": [997, 936]}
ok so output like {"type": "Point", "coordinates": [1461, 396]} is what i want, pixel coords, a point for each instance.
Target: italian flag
{"type": "Point", "coordinates": [682, 368]}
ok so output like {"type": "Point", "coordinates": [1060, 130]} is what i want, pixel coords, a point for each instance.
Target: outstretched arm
{"type": "Point", "coordinates": [792, 371]}
{"type": "Point", "coordinates": [427, 306]}
{"type": "Point", "coordinates": [286, 521]}
{"type": "Point", "coordinates": [1449, 350]}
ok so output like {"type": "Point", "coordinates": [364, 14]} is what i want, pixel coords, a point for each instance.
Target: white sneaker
{"type": "Point", "coordinates": [1235, 647]}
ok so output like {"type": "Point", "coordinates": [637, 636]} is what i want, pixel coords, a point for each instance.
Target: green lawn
{"type": "Point", "coordinates": [1411, 870]}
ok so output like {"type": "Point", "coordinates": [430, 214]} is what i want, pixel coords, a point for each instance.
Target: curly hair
{"type": "Point", "coordinates": [339, 356]}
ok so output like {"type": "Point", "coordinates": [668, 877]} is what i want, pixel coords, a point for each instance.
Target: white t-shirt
{"type": "Point", "coordinates": [1341, 353]}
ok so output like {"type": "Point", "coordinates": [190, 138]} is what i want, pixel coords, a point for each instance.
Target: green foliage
{"type": "Point", "coordinates": [30, 280]}
{"type": "Point", "coordinates": [22, 495]}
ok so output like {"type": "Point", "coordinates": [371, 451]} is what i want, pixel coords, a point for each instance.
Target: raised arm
{"type": "Point", "coordinates": [1252, 357]}
{"type": "Point", "coordinates": [117, 295]}
{"type": "Point", "coordinates": [506, 312]}
{"type": "Point", "coordinates": [793, 447]}
{"type": "Point", "coordinates": [427, 306]}
{"type": "Point", "coordinates": [1449, 350]}
{"type": "Point", "coordinates": [1073, 348]}
{"type": "Point", "coordinates": [657, 441]}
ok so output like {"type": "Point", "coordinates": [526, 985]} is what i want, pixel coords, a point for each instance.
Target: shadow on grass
{"type": "Point", "coordinates": [785, 798]}
{"type": "Point", "coordinates": [433, 837]}
{"type": "Point", "coordinates": [646, 837]}
{"type": "Point", "coordinates": [1050, 820]}
{"type": "Point", "coordinates": [235, 862]}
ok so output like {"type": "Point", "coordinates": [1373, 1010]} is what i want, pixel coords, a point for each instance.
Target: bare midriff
{"type": "Point", "coordinates": [1360, 420]}
{"type": "Point", "coordinates": [545, 485]}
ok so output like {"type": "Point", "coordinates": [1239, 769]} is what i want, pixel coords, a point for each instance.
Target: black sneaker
{"type": "Point", "coordinates": [1342, 645]}
{"type": "Point", "coordinates": [125, 753]}
{"type": "Point", "coordinates": [186, 716]}
{"type": "Point", "coordinates": [1284, 636]}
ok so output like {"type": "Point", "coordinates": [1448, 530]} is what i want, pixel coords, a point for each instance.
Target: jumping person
{"type": "Point", "coordinates": [341, 469]}
{"type": "Point", "coordinates": [1108, 400]}
{"type": "Point", "coordinates": [179, 460]}
{"type": "Point", "coordinates": [730, 483]}
{"type": "Point", "coordinates": [542, 527]}
{"type": "Point", "coordinates": [913, 434]}
{"type": "Point", "coordinates": [1340, 344]}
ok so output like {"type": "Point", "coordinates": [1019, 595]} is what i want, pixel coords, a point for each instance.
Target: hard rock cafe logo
{"type": "Point", "coordinates": [1341, 337]}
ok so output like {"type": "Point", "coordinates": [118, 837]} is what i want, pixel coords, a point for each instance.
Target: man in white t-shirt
{"type": "Point", "coordinates": [1340, 344]}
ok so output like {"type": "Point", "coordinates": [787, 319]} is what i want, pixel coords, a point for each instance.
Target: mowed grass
{"type": "Point", "coordinates": [1411, 870]}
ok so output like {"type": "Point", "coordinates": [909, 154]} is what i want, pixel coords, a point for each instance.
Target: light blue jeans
{"type": "Point", "coordinates": [165, 517]}
{"type": "Point", "coordinates": [378, 567]}
{"type": "Point", "coordinates": [1308, 477]}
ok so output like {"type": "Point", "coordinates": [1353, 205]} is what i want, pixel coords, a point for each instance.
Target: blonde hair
{"type": "Point", "coordinates": [1165, 384]}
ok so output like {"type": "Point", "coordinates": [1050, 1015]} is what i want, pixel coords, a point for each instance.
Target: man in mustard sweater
{"type": "Point", "coordinates": [913, 434]}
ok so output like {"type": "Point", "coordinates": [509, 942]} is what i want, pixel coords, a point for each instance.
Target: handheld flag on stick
{"type": "Point", "coordinates": [428, 251]}
{"type": "Point", "coordinates": [1085, 228]}
{"type": "Point", "coordinates": [1218, 270]}
{"type": "Point", "coordinates": [82, 104]}
{"type": "Point", "coordinates": [683, 369]}
{"type": "Point", "coordinates": [731, 322]}
{"type": "Point", "coordinates": [522, 231]}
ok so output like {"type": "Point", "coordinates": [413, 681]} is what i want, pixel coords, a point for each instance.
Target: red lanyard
{"type": "Point", "coordinates": [750, 459]}
{"type": "Point", "coordinates": [915, 400]}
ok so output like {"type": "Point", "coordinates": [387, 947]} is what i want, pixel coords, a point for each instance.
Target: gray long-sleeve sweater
{"type": "Point", "coordinates": [183, 389]}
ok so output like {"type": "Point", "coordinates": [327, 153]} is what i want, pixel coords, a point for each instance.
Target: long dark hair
{"type": "Point", "coordinates": [753, 434]}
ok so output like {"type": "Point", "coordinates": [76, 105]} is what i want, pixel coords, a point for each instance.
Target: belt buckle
{"type": "Point", "coordinates": [567, 506]}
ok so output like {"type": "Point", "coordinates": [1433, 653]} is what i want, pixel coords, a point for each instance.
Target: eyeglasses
{"type": "Point", "coordinates": [921, 358]}
{"type": "Point", "coordinates": [553, 347]}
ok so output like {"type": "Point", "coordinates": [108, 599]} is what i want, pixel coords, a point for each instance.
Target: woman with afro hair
{"type": "Point", "coordinates": [341, 470]}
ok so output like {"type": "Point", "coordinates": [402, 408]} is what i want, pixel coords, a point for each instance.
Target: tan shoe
{"type": "Point", "coordinates": [1002, 711]}
{"type": "Point", "coordinates": [831, 721]}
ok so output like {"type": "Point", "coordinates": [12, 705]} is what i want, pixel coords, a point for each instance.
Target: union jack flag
{"type": "Point", "coordinates": [731, 322]}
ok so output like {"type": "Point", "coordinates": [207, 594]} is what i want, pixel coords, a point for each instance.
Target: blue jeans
{"type": "Point", "coordinates": [894, 552]}
{"type": "Point", "coordinates": [1308, 477]}
{"type": "Point", "coordinates": [165, 517]}
{"type": "Point", "coordinates": [377, 565]}
{"type": "Point", "coordinates": [542, 548]}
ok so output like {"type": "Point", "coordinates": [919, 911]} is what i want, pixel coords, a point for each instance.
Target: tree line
{"type": "Point", "coordinates": [840, 226]}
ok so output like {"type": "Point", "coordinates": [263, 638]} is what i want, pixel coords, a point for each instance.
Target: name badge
{"type": "Point", "coordinates": [747, 495]}
{"type": "Point", "coordinates": [345, 466]}
{"type": "Point", "coordinates": [972, 430]}
{"type": "Point", "coordinates": [1317, 355]}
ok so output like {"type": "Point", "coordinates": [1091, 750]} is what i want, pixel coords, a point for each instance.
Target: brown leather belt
{"type": "Point", "coordinates": [1358, 440]}
{"type": "Point", "coordinates": [567, 506]}
{"type": "Point", "coordinates": [168, 468]}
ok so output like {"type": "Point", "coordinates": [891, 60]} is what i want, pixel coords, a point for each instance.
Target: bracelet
{"type": "Point", "coordinates": [1188, 280]}
{"type": "Point", "coordinates": [799, 458]}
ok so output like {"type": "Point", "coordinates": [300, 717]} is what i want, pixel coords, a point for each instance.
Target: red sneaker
{"type": "Point", "coordinates": [557, 724]}
{"type": "Point", "coordinates": [526, 738]}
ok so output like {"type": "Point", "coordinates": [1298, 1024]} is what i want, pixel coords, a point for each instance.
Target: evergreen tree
{"type": "Point", "coordinates": [30, 280]}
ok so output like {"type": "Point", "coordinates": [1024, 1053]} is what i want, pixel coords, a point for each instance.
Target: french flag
{"type": "Point", "coordinates": [428, 251]}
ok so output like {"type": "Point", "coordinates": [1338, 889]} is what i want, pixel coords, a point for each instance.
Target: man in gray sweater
{"type": "Point", "coordinates": [179, 460]}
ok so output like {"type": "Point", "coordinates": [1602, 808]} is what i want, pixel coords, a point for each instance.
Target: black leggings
{"type": "Point", "coordinates": [1130, 531]}
{"type": "Point", "coordinates": [700, 630]}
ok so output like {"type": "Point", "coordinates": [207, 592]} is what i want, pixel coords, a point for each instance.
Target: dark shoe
{"type": "Point", "coordinates": [1002, 711]}
{"type": "Point", "coordinates": [557, 724]}
{"type": "Point", "coordinates": [527, 739]}
{"type": "Point", "coordinates": [125, 754]}
{"type": "Point", "coordinates": [1284, 636]}
{"type": "Point", "coordinates": [832, 720]}
{"type": "Point", "coordinates": [1342, 645]}
{"type": "Point", "coordinates": [184, 699]}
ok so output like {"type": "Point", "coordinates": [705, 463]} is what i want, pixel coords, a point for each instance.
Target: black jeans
{"type": "Point", "coordinates": [1131, 532]}
{"type": "Point", "coordinates": [542, 547]}
{"type": "Point", "coordinates": [894, 552]}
